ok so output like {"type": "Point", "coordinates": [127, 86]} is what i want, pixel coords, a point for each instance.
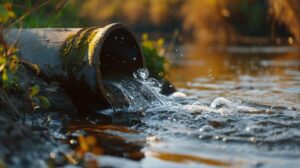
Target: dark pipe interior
{"type": "Point", "coordinates": [120, 55]}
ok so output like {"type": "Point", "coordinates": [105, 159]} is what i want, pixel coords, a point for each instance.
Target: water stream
{"type": "Point", "coordinates": [136, 93]}
{"type": "Point", "coordinates": [230, 110]}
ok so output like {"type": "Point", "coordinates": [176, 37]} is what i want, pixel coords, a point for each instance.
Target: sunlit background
{"type": "Point", "coordinates": [207, 21]}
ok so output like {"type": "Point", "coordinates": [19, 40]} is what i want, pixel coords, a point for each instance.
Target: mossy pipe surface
{"type": "Point", "coordinates": [80, 59]}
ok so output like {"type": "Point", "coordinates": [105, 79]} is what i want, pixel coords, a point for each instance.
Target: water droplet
{"type": "Point", "coordinates": [252, 139]}
{"type": "Point", "coordinates": [52, 155]}
{"type": "Point", "coordinates": [248, 129]}
{"type": "Point", "coordinates": [141, 74]}
{"type": "Point", "coordinates": [73, 141]}
{"type": "Point", "coordinates": [209, 74]}
{"type": "Point", "coordinates": [134, 58]}
{"type": "Point", "coordinates": [217, 137]}
{"type": "Point", "coordinates": [220, 102]}
{"type": "Point", "coordinates": [116, 37]}
{"type": "Point", "coordinates": [152, 139]}
{"type": "Point", "coordinates": [177, 94]}
{"type": "Point", "coordinates": [291, 40]}
{"type": "Point", "coordinates": [205, 128]}
{"type": "Point", "coordinates": [224, 139]}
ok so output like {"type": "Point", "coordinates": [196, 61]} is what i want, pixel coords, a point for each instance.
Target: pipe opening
{"type": "Point", "coordinates": [120, 54]}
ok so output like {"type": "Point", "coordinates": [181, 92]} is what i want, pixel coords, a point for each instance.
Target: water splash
{"type": "Point", "coordinates": [141, 93]}
{"type": "Point", "coordinates": [136, 93]}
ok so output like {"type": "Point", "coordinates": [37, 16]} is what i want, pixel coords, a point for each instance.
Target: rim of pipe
{"type": "Point", "coordinates": [105, 35]}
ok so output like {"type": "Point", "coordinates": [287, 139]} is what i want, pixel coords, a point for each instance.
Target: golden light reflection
{"type": "Point", "coordinates": [98, 140]}
{"type": "Point", "coordinates": [183, 158]}
{"type": "Point", "coordinates": [101, 128]}
{"type": "Point", "coordinates": [215, 65]}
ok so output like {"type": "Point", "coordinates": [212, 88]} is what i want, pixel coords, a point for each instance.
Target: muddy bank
{"type": "Point", "coordinates": [24, 146]}
{"type": "Point", "coordinates": [25, 142]}
{"type": "Point", "coordinates": [16, 101]}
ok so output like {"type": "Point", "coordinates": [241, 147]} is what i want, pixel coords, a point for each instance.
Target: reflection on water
{"type": "Point", "coordinates": [181, 158]}
{"type": "Point", "coordinates": [231, 110]}
{"type": "Point", "coordinates": [236, 104]}
{"type": "Point", "coordinates": [106, 139]}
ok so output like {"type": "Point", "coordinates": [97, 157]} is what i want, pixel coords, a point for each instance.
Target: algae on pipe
{"type": "Point", "coordinates": [80, 59]}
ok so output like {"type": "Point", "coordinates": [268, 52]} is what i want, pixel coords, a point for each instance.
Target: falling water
{"type": "Point", "coordinates": [134, 93]}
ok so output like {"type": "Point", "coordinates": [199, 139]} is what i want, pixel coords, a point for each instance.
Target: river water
{"type": "Point", "coordinates": [239, 108]}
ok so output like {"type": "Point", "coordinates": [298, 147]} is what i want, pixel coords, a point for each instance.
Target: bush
{"type": "Point", "coordinates": [154, 52]}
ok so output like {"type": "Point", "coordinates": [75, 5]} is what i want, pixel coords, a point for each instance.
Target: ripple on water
{"type": "Point", "coordinates": [237, 121]}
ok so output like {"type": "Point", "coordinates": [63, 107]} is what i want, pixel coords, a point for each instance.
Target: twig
{"type": "Point", "coordinates": [29, 12]}
{"type": "Point", "coordinates": [30, 65]}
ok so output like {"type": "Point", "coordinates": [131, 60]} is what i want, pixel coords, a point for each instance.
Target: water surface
{"type": "Point", "coordinates": [231, 110]}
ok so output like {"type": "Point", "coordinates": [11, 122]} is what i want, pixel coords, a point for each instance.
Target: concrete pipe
{"type": "Point", "coordinates": [80, 59]}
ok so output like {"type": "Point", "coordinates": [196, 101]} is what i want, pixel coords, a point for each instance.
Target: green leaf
{"type": "Point", "coordinates": [2, 59]}
{"type": "Point", "coordinates": [4, 76]}
{"type": "Point", "coordinates": [2, 66]}
{"type": "Point", "coordinates": [34, 90]}
{"type": "Point", "coordinates": [145, 36]}
{"type": "Point", "coordinates": [160, 42]}
{"type": "Point", "coordinates": [44, 101]}
{"type": "Point", "coordinates": [5, 12]}
{"type": "Point", "coordinates": [2, 164]}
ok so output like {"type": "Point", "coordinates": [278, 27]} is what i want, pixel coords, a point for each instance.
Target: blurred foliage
{"type": "Point", "coordinates": [2, 164]}
{"type": "Point", "coordinates": [8, 65]}
{"type": "Point", "coordinates": [6, 12]}
{"type": "Point", "coordinates": [132, 11]}
{"type": "Point", "coordinates": [209, 23]}
{"type": "Point", "coordinates": [37, 99]}
{"type": "Point", "coordinates": [44, 13]}
{"type": "Point", "coordinates": [154, 52]}
{"type": "Point", "coordinates": [9, 61]}
{"type": "Point", "coordinates": [226, 21]}
{"type": "Point", "coordinates": [287, 12]}
{"type": "Point", "coordinates": [206, 20]}
{"type": "Point", "coordinates": [8, 57]}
